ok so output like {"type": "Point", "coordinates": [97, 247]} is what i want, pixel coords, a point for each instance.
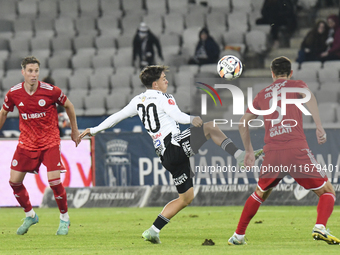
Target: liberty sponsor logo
{"type": "Point", "coordinates": [26, 116]}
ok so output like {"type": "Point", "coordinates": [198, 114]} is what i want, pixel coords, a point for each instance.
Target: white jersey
{"type": "Point", "coordinates": [158, 112]}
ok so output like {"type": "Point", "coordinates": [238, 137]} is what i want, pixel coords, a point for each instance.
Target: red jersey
{"type": "Point", "coordinates": [277, 134]}
{"type": "Point", "coordinates": [38, 117]}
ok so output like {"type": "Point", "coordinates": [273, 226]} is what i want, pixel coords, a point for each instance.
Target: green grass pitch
{"type": "Point", "coordinates": [274, 230]}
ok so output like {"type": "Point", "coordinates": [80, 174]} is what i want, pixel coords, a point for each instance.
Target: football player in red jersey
{"type": "Point", "coordinates": [287, 147]}
{"type": "Point", "coordinates": [39, 140]}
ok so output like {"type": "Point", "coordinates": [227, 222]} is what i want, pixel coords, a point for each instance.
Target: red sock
{"type": "Point", "coordinates": [249, 210]}
{"type": "Point", "coordinates": [325, 208]}
{"type": "Point", "coordinates": [21, 195]}
{"type": "Point", "coordinates": [59, 194]}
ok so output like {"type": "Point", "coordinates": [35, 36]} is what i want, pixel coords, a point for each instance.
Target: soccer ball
{"type": "Point", "coordinates": [229, 67]}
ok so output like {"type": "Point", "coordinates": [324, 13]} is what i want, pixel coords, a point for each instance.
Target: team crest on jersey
{"type": "Point", "coordinates": [143, 98]}
{"type": "Point", "coordinates": [171, 102]}
{"type": "Point", "coordinates": [14, 162]}
{"type": "Point", "coordinates": [42, 102]}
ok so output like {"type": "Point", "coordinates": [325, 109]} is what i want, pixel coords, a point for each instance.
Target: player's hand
{"type": "Point", "coordinates": [197, 121]}
{"type": "Point", "coordinates": [321, 135]}
{"type": "Point", "coordinates": [74, 136]}
{"type": "Point", "coordinates": [85, 133]}
{"type": "Point", "coordinates": [249, 159]}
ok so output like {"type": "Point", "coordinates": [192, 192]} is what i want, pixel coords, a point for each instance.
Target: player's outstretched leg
{"type": "Point", "coordinates": [321, 233]}
{"type": "Point", "coordinates": [220, 139]}
{"type": "Point", "coordinates": [28, 221]}
{"type": "Point", "coordinates": [169, 211]}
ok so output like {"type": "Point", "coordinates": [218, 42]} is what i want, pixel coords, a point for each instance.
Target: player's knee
{"type": "Point", "coordinates": [187, 198]}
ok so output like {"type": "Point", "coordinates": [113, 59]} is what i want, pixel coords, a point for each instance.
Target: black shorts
{"type": "Point", "coordinates": [176, 158]}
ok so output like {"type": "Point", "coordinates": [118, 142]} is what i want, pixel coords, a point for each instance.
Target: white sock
{"type": "Point", "coordinates": [237, 153]}
{"type": "Point", "coordinates": [156, 229]}
{"type": "Point", "coordinates": [64, 216]}
{"type": "Point", "coordinates": [320, 226]}
{"type": "Point", "coordinates": [239, 237]}
{"type": "Point", "coordinates": [31, 213]}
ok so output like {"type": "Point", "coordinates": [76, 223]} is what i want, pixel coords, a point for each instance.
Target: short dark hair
{"type": "Point", "coordinates": [152, 73]}
{"type": "Point", "coordinates": [29, 60]}
{"type": "Point", "coordinates": [281, 66]}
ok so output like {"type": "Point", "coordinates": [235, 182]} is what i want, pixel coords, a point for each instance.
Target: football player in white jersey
{"type": "Point", "coordinates": [160, 116]}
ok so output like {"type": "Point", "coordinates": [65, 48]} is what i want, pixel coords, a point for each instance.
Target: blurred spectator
{"type": "Point", "coordinates": [333, 41]}
{"type": "Point", "coordinates": [143, 44]}
{"type": "Point", "coordinates": [63, 119]}
{"type": "Point", "coordinates": [207, 50]}
{"type": "Point", "coordinates": [314, 43]}
{"type": "Point", "coordinates": [278, 13]}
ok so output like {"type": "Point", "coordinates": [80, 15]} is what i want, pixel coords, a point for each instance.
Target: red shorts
{"type": "Point", "coordinates": [30, 161]}
{"type": "Point", "coordinates": [298, 163]}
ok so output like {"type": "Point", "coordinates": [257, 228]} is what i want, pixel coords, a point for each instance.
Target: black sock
{"type": "Point", "coordinates": [229, 146]}
{"type": "Point", "coordinates": [160, 222]}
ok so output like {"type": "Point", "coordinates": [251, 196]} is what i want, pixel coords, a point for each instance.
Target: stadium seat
{"type": "Point", "coordinates": [189, 68]}
{"type": "Point", "coordinates": [44, 27]}
{"type": "Point", "coordinates": [209, 68]}
{"type": "Point", "coordinates": [330, 86]}
{"type": "Point", "coordinates": [77, 99]}
{"type": "Point", "coordinates": [81, 61]}
{"type": "Point", "coordinates": [128, 70]}
{"type": "Point", "coordinates": [27, 8]}
{"type": "Point", "coordinates": [328, 111]}
{"type": "Point", "coordinates": [100, 82]}
{"type": "Point", "coordinates": [3, 56]}
{"type": "Point", "coordinates": [61, 76]}
{"type": "Point", "coordinates": [64, 26]}
{"type": "Point", "coordinates": [59, 61]}
{"type": "Point", "coordinates": [333, 64]}
{"type": "Point", "coordinates": [40, 43]}
{"type": "Point", "coordinates": [155, 23]}
{"type": "Point", "coordinates": [121, 80]}
{"type": "Point", "coordinates": [235, 40]}
{"type": "Point", "coordinates": [183, 80]}
{"type": "Point", "coordinates": [62, 44]}
{"type": "Point", "coordinates": [79, 82]}
{"type": "Point", "coordinates": [61, 82]}
{"type": "Point", "coordinates": [24, 26]}
{"type": "Point", "coordinates": [156, 6]}
{"type": "Point", "coordinates": [137, 86]}
{"type": "Point", "coordinates": [241, 6]}
{"type": "Point", "coordinates": [194, 19]}
{"type": "Point", "coordinates": [43, 72]}
{"type": "Point", "coordinates": [125, 40]}
{"type": "Point", "coordinates": [190, 38]}
{"type": "Point", "coordinates": [68, 9]}
{"type": "Point", "coordinates": [48, 9]}
{"type": "Point", "coordinates": [219, 5]}
{"type": "Point", "coordinates": [4, 44]}
{"type": "Point", "coordinates": [111, 8]}
{"type": "Point", "coordinates": [130, 23]}
{"type": "Point", "coordinates": [169, 40]}
{"type": "Point", "coordinates": [8, 10]}
{"type": "Point", "coordinates": [238, 21]}
{"type": "Point", "coordinates": [216, 21]}
{"type": "Point", "coordinates": [6, 28]}
{"type": "Point", "coordinates": [89, 8]}
{"type": "Point", "coordinates": [313, 86]}
{"type": "Point", "coordinates": [328, 75]}
{"type": "Point", "coordinates": [115, 102]}
{"type": "Point", "coordinates": [178, 6]}
{"type": "Point", "coordinates": [337, 110]}
{"type": "Point", "coordinates": [133, 7]}
{"type": "Point", "coordinates": [14, 60]}
{"type": "Point", "coordinates": [311, 65]}
{"type": "Point", "coordinates": [174, 23]}
{"type": "Point", "coordinates": [326, 96]}
{"type": "Point", "coordinates": [86, 26]}
{"type": "Point", "coordinates": [103, 71]}
{"type": "Point", "coordinates": [256, 41]}
{"type": "Point", "coordinates": [295, 67]}
{"type": "Point", "coordinates": [105, 41]}
{"type": "Point", "coordinates": [183, 100]}
{"type": "Point", "coordinates": [11, 79]}
{"type": "Point", "coordinates": [94, 104]}
{"type": "Point", "coordinates": [123, 57]}
{"type": "Point", "coordinates": [108, 26]}
{"type": "Point", "coordinates": [42, 56]}
{"type": "Point", "coordinates": [19, 44]}
{"type": "Point", "coordinates": [257, 5]}
{"type": "Point", "coordinates": [198, 8]}
{"type": "Point", "coordinates": [305, 75]}
{"type": "Point", "coordinates": [83, 42]}
{"type": "Point", "coordinates": [99, 61]}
